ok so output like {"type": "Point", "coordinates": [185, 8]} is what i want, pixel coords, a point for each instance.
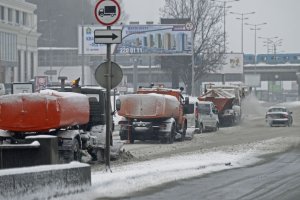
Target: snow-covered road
{"type": "Point", "coordinates": [155, 164]}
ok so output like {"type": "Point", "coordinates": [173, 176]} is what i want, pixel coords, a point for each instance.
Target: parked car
{"type": "Point", "coordinates": [279, 116]}
{"type": "Point", "coordinates": [206, 116]}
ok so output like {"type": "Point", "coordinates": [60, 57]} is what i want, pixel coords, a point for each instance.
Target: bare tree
{"type": "Point", "coordinates": [207, 34]}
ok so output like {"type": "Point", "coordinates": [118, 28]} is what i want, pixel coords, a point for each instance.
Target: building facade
{"type": "Point", "coordinates": [18, 41]}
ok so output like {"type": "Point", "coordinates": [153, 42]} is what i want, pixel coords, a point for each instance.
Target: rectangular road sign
{"type": "Point", "coordinates": [107, 36]}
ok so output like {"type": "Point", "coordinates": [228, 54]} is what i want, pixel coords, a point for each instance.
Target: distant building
{"type": "Point", "coordinates": [18, 41]}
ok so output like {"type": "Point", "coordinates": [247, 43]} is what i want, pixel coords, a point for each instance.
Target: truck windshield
{"type": "Point", "coordinates": [204, 108]}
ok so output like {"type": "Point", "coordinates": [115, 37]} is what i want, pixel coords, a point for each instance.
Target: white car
{"type": "Point", "coordinates": [279, 115]}
{"type": "Point", "coordinates": [206, 116]}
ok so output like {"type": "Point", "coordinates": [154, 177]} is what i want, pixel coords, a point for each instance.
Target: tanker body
{"type": "Point", "coordinates": [78, 120]}
{"type": "Point", "coordinates": [153, 114]}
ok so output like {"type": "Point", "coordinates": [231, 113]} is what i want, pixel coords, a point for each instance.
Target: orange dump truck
{"type": "Point", "coordinates": [228, 105]}
{"type": "Point", "coordinates": [153, 114]}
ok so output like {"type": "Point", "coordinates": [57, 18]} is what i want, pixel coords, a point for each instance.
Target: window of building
{"type": "Point", "coordinates": [17, 17]}
{"type": "Point", "coordinates": [9, 14]}
{"type": "Point", "coordinates": [25, 22]}
{"type": "Point", "coordinates": [2, 12]}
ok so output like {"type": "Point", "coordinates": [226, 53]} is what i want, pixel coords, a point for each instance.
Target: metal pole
{"type": "Point", "coordinates": [51, 53]}
{"type": "Point", "coordinates": [82, 46]}
{"type": "Point", "coordinates": [150, 70]}
{"type": "Point", "coordinates": [255, 49]}
{"type": "Point", "coordinates": [135, 74]}
{"type": "Point", "coordinates": [108, 107]}
{"type": "Point", "coordinates": [193, 54]}
{"type": "Point", "coordinates": [193, 65]}
{"type": "Point", "coordinates": [224, 26]}
{"type": "Point", "coordinates": [242, 48]}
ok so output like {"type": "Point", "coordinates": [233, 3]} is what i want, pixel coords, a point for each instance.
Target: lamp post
{"type": "Point", "coordinates": [255, 28]}
{"type": "Point", "coordinates": [268, 41]}
{"type": "Point", "coordinates": [242, 18]}
{"type": "Point", "coordinates": [82, 44]}
{"type": "Point", "coordinates": [224, 10]}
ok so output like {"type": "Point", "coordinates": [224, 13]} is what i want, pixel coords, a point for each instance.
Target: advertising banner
{"type": "Point", "coordinates": [233, 64]}
{"type": "Point", "coordinates": [40, 82]}
{"type": "Point", "coordinates": [155, 39]}
{"type": "Point", "coordinates": [22, 88]}
{"type": "Point", "coordinates": [140, 40]}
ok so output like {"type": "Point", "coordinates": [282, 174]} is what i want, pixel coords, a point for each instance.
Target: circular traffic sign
{"type": "Point", "coordinates": [107, 12]}
{"type": "Point", "coordinates": [189, 26]}
{"type": "Point", "coordinates": [101, 74]}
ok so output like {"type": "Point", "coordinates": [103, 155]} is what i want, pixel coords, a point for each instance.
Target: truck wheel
{"type": "Point", "coordinates": [183, 135]}
{"type": "Point", "coordinates": [200, 129]}
{"type": "Point", "coordinates": [217, 127]}
{"type": "Point", "coordinates": [170, 139]}
{"type": "Point", "coordinates": [76, 150]}
{"type": "Point", "coordinates": [131, 140]}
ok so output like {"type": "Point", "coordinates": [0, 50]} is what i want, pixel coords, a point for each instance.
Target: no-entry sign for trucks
{"type": "Point", "coordinates": [107, 12]}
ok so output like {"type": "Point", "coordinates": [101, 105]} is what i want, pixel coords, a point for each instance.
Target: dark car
{"type": "Point", "coordinates": [279, 116]}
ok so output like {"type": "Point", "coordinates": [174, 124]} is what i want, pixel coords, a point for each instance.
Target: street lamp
{"type": "Point", "coordinates": [242, 18]}
{"type": "Point", "coordinates": [255, 28]}
{"type": "Point", "coordinates": [268, 41]}
{"type": "Point", "coordinates": [224, 8]}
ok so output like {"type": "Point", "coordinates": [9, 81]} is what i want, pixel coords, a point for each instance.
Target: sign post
{"type": "Point", "coordinates": [107, 12]}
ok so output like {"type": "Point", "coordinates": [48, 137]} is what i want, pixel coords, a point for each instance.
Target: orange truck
{"type": "Point", "coordinates": [153, 114]}
{"type": "Point", "coordinates": [77, 119]}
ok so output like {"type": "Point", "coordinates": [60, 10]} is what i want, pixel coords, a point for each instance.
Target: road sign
{"type": "Point", "coordinates": [107, 12]}
{"type": "Point", "coordinates": [102, 73]}
{"type": "Point", "coordinates": [189, 26]}
{"type": "Point", "coordinates": [107, 36]}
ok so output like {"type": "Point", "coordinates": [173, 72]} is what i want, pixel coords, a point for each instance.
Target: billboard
{"type": "Point", "coordinates": [233, 64]}
{"type": "Point", "coordinates": [89, 46]}
{"type": "Point", "coordinates": [155, 39]}
{"type": "Point", "coordinates": [22, 88]}
{"type": "Point", "coordinates": [40, 82]}
{"type": "Point", "coordinates": [141, 39]}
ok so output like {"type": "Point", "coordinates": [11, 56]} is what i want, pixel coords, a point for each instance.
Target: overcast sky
{"type": "Point", "coordinates": [282, 18]}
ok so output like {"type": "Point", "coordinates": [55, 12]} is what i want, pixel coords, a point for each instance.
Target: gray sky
{"type": "Point", "coordinates": [281, 17]}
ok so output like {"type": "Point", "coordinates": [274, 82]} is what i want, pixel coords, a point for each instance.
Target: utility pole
{"type": "Point", "coordinates": [242, 18]}
{"type": "Point", "coordinates": [224, 6]}
{"type": "Point", "coordinates": [82, 45]}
